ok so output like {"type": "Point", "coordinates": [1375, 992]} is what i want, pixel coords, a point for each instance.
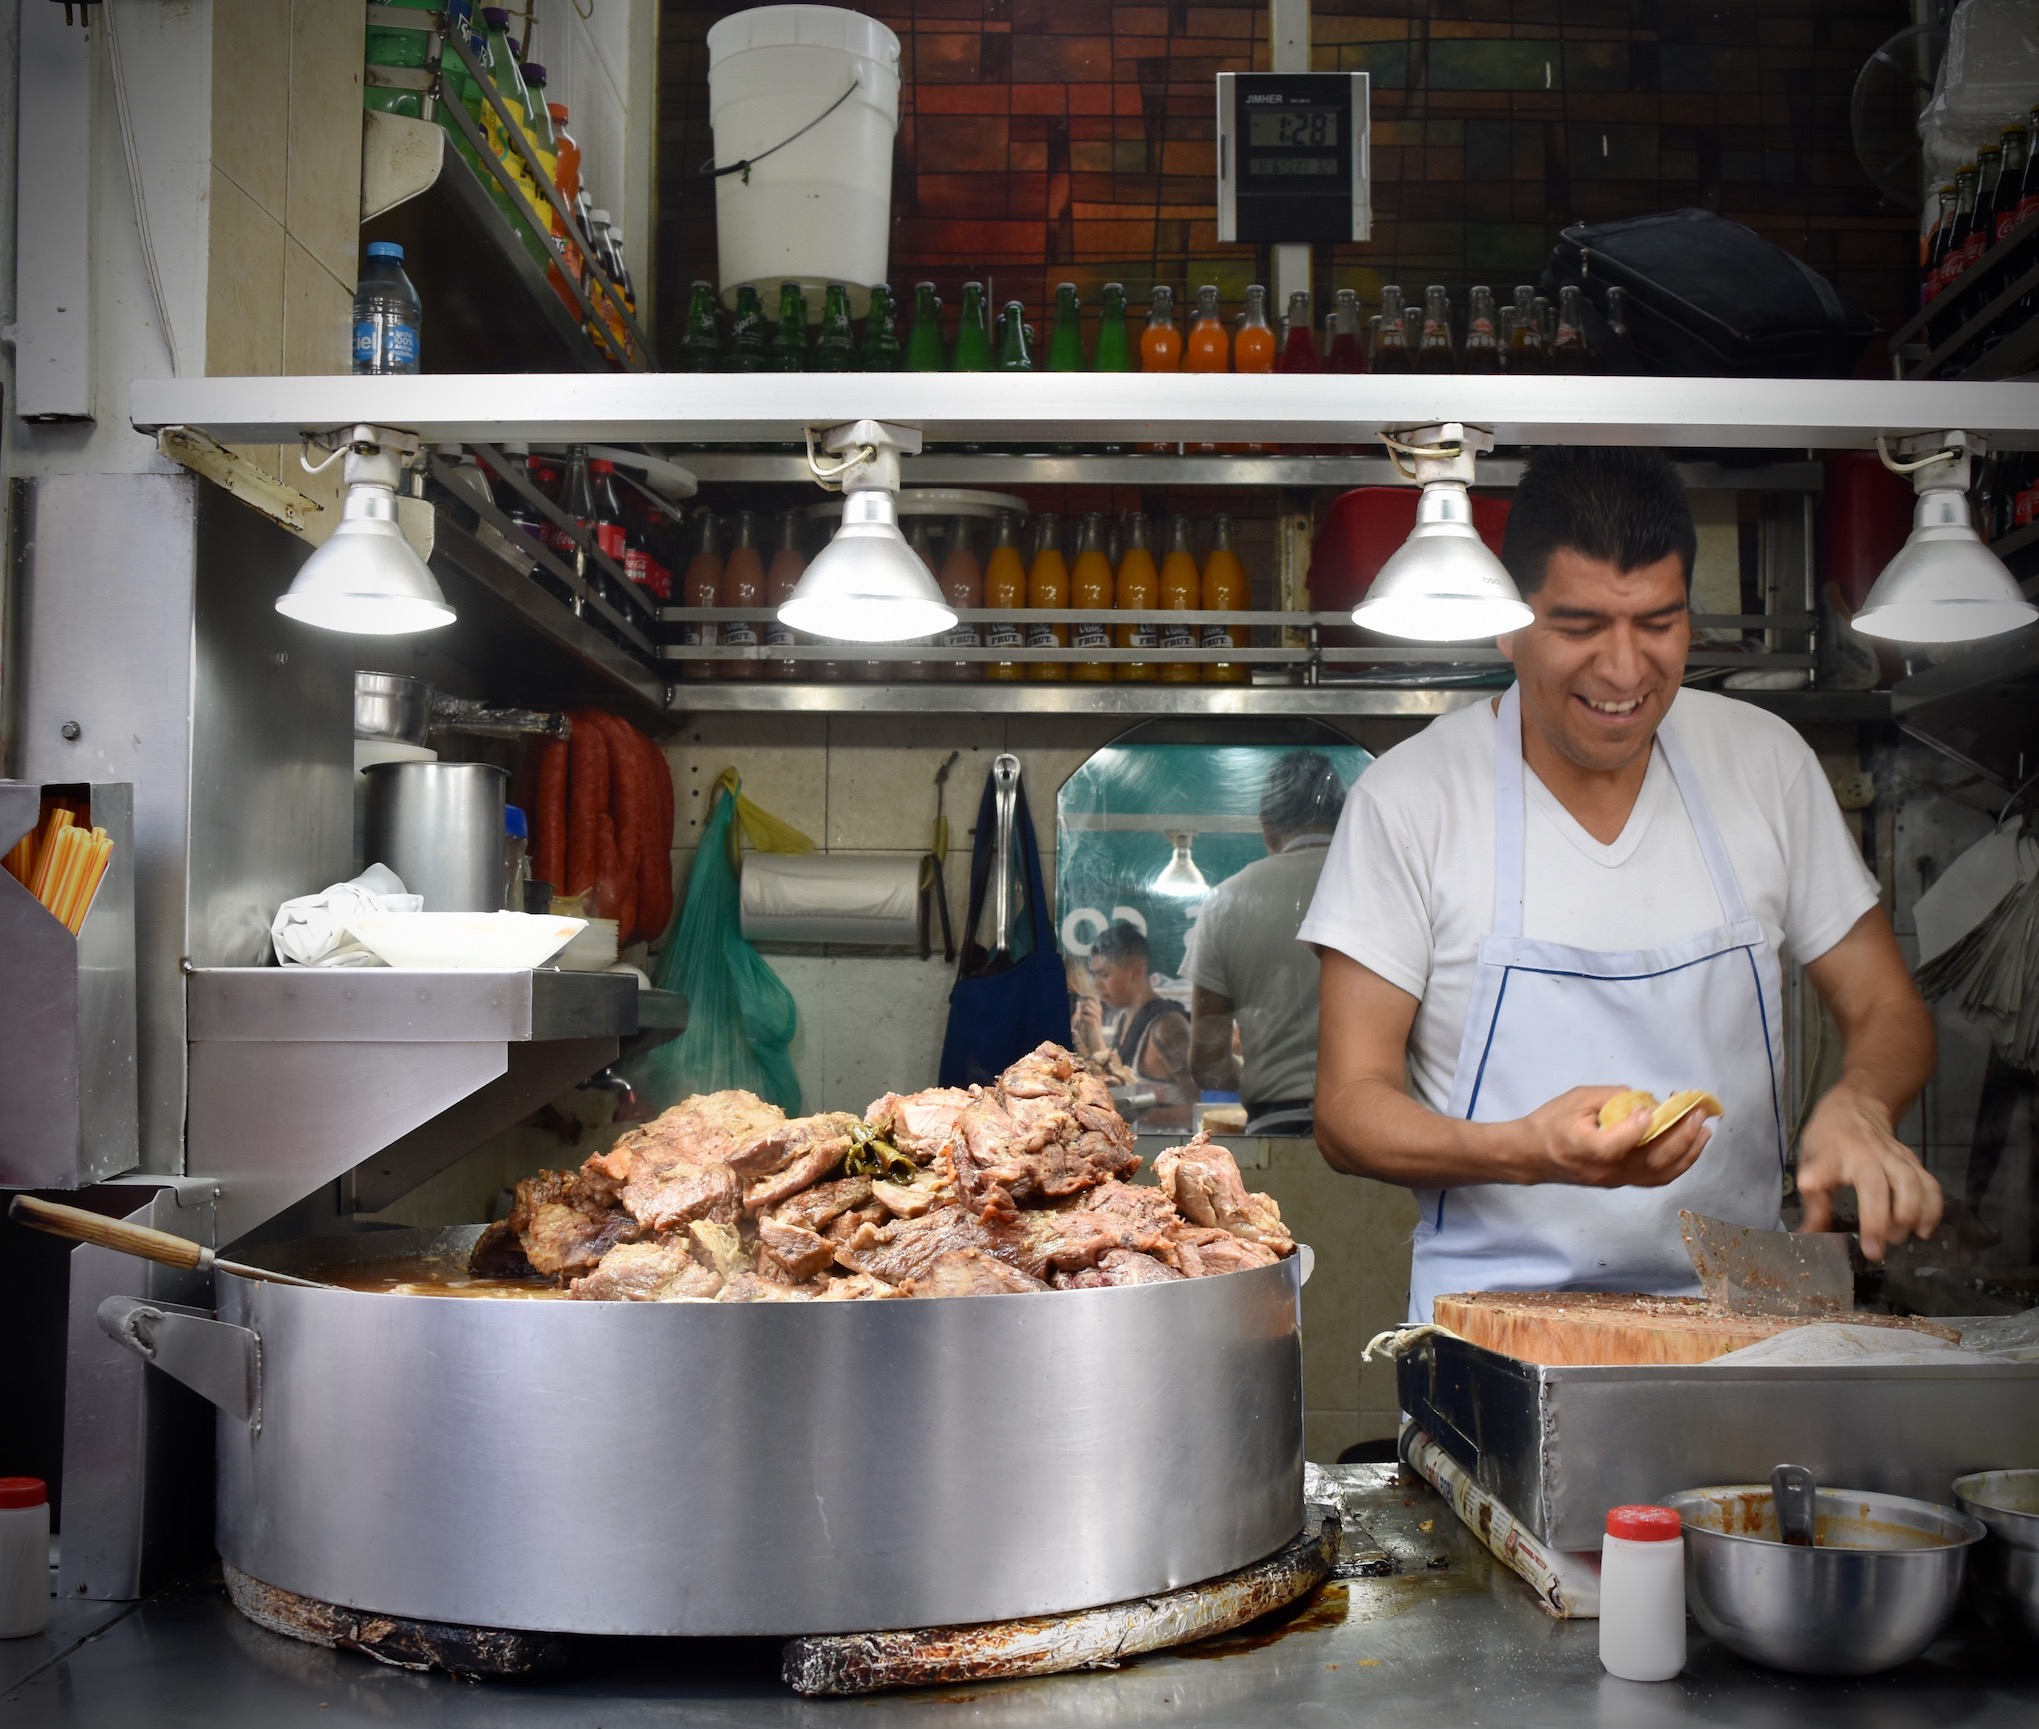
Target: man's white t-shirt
{"type": "Point", "coordinates": [1408, 888]}
{"type": "Point", "coordinates": [1246, 949]}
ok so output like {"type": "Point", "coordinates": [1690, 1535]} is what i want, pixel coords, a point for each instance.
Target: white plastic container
{"type": "Point", "coordinates": [1642, 1594]}
{"type": "Point", "coordinates": [24, 1557]}
{"type": "Point", "coordinates": [818, 210]}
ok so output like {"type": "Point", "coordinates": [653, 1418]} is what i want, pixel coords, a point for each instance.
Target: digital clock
{"type": "Point", "coordinates": [1292, 157]}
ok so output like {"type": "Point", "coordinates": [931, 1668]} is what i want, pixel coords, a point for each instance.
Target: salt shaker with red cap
{"type": "Point", "coordinates": [1642, 1594]}
{"type": "Point", "coordinates": [24, 1556]}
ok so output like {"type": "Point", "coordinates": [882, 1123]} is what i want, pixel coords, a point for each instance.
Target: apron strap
{"type": "Point", "coordinates": [1509, 845]}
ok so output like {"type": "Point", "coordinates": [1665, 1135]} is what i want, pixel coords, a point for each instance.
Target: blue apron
{"type": "Point", "coordinates": [1001, 1009]}
{"type": "Point", "coordinates": [1705, 1012]}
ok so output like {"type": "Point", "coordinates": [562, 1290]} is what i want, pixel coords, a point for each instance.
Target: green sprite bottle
{"type": "Point", "coordinates": [835, 349]}
{"type": "Point", "coordinates": [1014, 354]}
{"type": "Point", "coordinates": [925, 350]}
{"type": "Point", "coordinates": [701, 346]}
{"type": "Point", "coordinates": [789, 341]}
{"type": "Point", "coordinates": [973, 333]}
{"type": "Point", "coordinates": [1065, 341]}
{"type": "Point", "coordinates": [1114, 346]}
{"type": "Point", "coordinates": [880, 352]}
{"type": "Point", "coordinates": [747, 350]}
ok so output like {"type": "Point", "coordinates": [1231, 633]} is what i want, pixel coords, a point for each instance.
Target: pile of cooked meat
{"type": "Point", "coordinates": [1023, 1186]}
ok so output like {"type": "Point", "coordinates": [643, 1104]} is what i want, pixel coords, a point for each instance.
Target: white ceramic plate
{"type": "Point", "coordinates": [457, 942]}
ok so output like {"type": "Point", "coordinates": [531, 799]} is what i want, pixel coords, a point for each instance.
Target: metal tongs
{"type": "Point", "coordinates": [1005, 779]}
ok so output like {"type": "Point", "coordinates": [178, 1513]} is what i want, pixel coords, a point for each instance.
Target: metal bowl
{"type": "Point", "coordinates": [2005, 1579]}
{"type": "Point", "coordinates": [1874, 1594]}
{"type": "Point", "coordinates": [389, 705]}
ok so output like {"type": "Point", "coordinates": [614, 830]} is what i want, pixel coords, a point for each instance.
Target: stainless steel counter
{"type": "Point", "coordinates": [1459, 1645]}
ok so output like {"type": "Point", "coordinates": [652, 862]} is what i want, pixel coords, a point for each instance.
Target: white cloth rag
{"type": "Point", "coordinates": [311, 931]}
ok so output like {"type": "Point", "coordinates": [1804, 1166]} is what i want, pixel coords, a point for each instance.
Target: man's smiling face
{"type": "Point", "coordinates": [1604, 656]}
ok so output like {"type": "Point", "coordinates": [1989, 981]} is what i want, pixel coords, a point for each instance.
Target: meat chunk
{"type": "Point", "coordinates": [971, 1273]}
{"type": "Point", "coordinates": [755, 1288]}
{"type": "Point", "coordinates": [720, 1248]}
{"type": "Point", "coordinates": [1050, 1081]}
{"type": "Point", "coordinates": [676, 1168]}
{"type": "Point", "coordinates": [1138, 1216]}
{"type": "Point", "coordinates": [567, 1221]}
{"type": "Point", "coordinates": [1001, 1162]}
{"type": "Point", "coordinates": [801, 1251]}
{"type": "Point", "coordinates": [795, 1156]}
{"type": "Point", "coordinates": [1052, 1238]}
{"type": "Point", "coordinates": [497, 1254]}
{"type": "Point", "coordinates": [1117, 1267]}
{"type": "Point", "coordinates": [906, 1248]}
{"type": "Point", "coordinates": [918, 1123]}
{"type": "Point", "coordinates": [933, 1187]}
{"type": "Point", "coordinates": [662, 1271]}
{"type": "Point", "coordinates": [854, 1287]}
{"type": "Point", "coordinates": [819, 1207]}
{"type": "Point", "coordinates": [1201, 1251]}
{"type": "Point", "coordinates": [1204, 1183]}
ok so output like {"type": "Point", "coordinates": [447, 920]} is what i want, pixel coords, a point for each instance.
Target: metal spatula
{"type": "Point", "coordinates": [1754, 1272]}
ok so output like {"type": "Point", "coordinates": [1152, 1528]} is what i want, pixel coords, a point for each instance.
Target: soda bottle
{"type": "Point", "coordinates": [701, 585]}
{"type": "Point", "coordinates": [1345, 347]}
{"type": "Point", "coordinates": [538, 127]}
{"type": "Point", "coordinates": [1954, 260]}
{"type": "Point", "coordinates": [610, 533]}
{"type": "Point", "coordinates": [782, 576]}
{"type": "Point", "coordinates": [1989, 170]}
{"type": "Point", "coordinates": [1299, 348]}
{"type": "Point", "coordinates": [2028, 184]}
{"type": "Point", "coordinates": [835, 349]}
{"type": "Point", "coordinates": [1114, 346]}
{"type": "Point", "coordinates": [922, 668]}
{"type": "Point", "coordinates": [1617, 321]}
{"type": "Point", "coordinates": [925, 351]}
{"type": "Point", "coordinates": [1065, 341]}
{"type": "Point", "coordinates": [2003, 208]}
{"type": "Point", "coordinates": [1568, 352]}
{"type": "Point", "coordinates": [1483, 340]}
{"type": "Point", "coordinates": [1391, 346]}
{"type": "Point", "coordinates": [973, 333]}
{"type": "Point", "coordinates": [1933, 242]}
{"type": "Point", "coordinates": [1182, 590]}
{"type": "Point", "coordinates": [1047, 588]}
{"type": "Point", "coordinates": [404, 48]}
{"type": "Point", "coordinates": [1435, 351]}
{"type": "Point", "coordinates": [748, 349]}
{"type": "Point", "coordinates": [1005, 591]}
{"type": "Point", "coordinates": [1253, 348]}
{"type": "Point", "coordinates": [388, 321]}
{"type": "Point", "coordinates": [1526, 351]}
{"type": "Point", "coordinates": [880, 351]}
{"type": "Point", "coordinates": [1013, 352]}
{"type": "Point", "coordinates": [1207, 349]}
{"type": "Point", "coordinates": [1160, 342]}
{"type": "Point", "coordinates": [576, 504]}
{"type": "Point", "coordinates": [567, 182]}
{"type": "Point", "coordinates": [1224, 590]}
{"type": "Point", "coordinates": [1139, 590]}
{"type": "Point", "coordinates": [1091, 586]}
{"type": "Point", "coordinates": [789, 340]}
{"type": "Point", "coordinates": [743, 584]}
{"type": "Point", "coordinates": [962, 585]}
{"type": "Point", "coordinates": [701, 346]}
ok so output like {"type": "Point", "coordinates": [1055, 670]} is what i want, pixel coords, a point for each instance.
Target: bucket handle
{"type": "Point", "coordinates": [709, 169]}
{"type": "Point", "coordinates": [217, 1360]}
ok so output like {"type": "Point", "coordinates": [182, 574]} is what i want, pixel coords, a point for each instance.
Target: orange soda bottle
{"type": "Point", "coordinates": [1091, 585]}
{"type": "Point", "coordinates": [1005, 590]}
{"type": "Point", "coordinates": [1181, 591]}
{"type": "Point", "coordinates": [1208, 348]}
{"type": "Point", "coordinates": [1048, 587]}
{"type": "Point", "coordinates": [1139, 590]}
{"type": "Point", "coordinates": [1160, 344]}
{"type": "Point", "coordinates": [1224, 590]}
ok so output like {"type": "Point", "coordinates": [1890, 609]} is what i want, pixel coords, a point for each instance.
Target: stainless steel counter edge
{"type": "Point", "coordinates": [388, 1005]}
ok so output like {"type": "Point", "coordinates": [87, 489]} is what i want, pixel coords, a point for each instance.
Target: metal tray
{"type": "Point", "coordinates": [1559, 1446]}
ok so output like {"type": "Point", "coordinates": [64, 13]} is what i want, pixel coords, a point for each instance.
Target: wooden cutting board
{"type": "Point", "coordinates": [1596, 1327]}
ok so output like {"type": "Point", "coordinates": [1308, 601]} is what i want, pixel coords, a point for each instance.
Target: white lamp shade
{"type": "Point", "coordinates": [366, 580]}
{"type": "Point", "coordinates": [1179, 877]}
{"type": "Point", "coordinates": [1944, 585]}
{"type": "Point", "coordinates": [1442, 584]}
{"type": "Point", "coordinates": [867, 584]}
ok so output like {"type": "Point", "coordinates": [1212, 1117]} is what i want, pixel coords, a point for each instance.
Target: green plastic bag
{"type": "Point", "coordinates": [740, 1016]}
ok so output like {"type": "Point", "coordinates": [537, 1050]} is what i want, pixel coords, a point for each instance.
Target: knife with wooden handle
{"type": "Point", "coordinates": [142, 1240]}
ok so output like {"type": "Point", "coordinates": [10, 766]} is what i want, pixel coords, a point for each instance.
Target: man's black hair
{"type": "Point", "coordinates": [1121, 942]}
{"type": "Point", "coordinates": [1624, 507]}
{"type": "Point", "coordinates": [1302, 794]}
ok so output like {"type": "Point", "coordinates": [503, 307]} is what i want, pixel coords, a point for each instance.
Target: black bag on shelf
{"type": "Point", "coordinates": [1710, 298]}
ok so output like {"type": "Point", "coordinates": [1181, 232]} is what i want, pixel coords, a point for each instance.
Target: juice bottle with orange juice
{"type": "Point", "coordinates": [1160, 344]}
{"type": "Point", "coordinates": [1253, 349]}
{"type": "Point", "coordinates": [1139, 590]}
{"type": "Point", "coordinates": [1181, 591]}
{"type": "Point", "coordinates": [1005, 591]}
{"type": "Point", "coordinates": [1048, 587]}
{"type": "Point", "coordinates": [1207, 348]}
{"type": "Point", "coordinates": [1224, 590]}
{"type": "Point", "coordinates": [1091, 585]}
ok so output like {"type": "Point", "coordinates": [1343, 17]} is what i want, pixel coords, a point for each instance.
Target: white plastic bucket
{"type": "Point", "coordinates": [818, 210]}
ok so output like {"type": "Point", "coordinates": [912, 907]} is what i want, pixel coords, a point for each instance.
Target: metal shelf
{"type": "Point", "coordinates": [1150, 701]}
{"type": "Point", "coordinates": [944, 468]}
{"type": "Point", "coordinates": [765, 408]}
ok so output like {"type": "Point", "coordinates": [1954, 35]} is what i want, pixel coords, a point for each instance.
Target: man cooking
{"type": "Point", "coordinates": [1585, 886]}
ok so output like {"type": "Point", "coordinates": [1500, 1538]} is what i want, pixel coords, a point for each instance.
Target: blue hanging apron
{"type": "Point", "coordinates": [1001, 1008]}
{"type": "Point", "coordinates": [1705, 1013]}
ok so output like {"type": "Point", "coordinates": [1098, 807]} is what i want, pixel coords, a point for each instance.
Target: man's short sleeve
{"type": "Point", "coordinates": [1373, 900]}
{"type": "Point", "coordinates": [1829, 887]}
{"type": "Point", "coordinates": [1206, 960]}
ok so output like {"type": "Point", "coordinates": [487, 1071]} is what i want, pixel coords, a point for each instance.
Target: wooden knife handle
{"type": "Point", "coordinates": [84, 1227]}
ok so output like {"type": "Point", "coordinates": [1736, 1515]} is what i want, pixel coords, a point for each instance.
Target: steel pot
{"type": "Point", "coordinates": [1874, 1595]}
{"type": "Point", "coordinates": [389, 706]}
{"type": "Point", "coordinates": [767, 1468]}
{"type": "Point", "coordinates": [439, 826]}
{"type": "Point", "coordinates": [2005, 1577]}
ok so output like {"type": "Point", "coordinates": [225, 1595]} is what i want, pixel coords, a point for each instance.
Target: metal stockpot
{"type": "Point", "coordinates": [439, 826]}
{"type": "Point", "coordinates": [697, 1468]}
{"type": "Point", "coordinates": [391, 706]}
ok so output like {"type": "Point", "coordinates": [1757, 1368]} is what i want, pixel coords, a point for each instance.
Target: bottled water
{"type": "Point", "coordinates": [386, 313]}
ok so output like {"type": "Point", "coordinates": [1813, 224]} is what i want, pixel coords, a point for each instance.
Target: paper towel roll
{"type": "Point", "coordinates": [865, 899]}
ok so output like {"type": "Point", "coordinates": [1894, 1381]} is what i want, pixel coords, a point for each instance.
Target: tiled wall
{"type": "Point", "coordinates": [1044, 140]}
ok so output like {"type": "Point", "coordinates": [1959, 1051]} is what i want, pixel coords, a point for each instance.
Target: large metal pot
{"type": "Point", "coordinates": [2005, 1577]}
{"type": "Point", "coordinates": [684, 1468]}
{"type": "Point", "coordinates": [439, 826]}
{"type": "Point", "coordinates": [1876, 1593]}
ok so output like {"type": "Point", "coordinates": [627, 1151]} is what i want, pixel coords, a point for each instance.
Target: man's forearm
{"type": "Point", "coordinates": [1888, 1055]}
{"type": "Point", "coordinates": [1369, 1128]}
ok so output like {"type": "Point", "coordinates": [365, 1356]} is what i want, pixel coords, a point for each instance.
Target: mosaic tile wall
{"type": "Point", "coordinates": [1051, 140]}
